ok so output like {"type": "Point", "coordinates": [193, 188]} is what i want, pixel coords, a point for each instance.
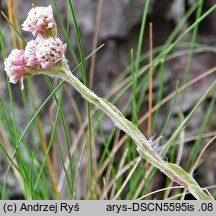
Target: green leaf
{"type": "Point", "coordinates": [182, 173]}
{"type": "Point", "coordinates": [193, 186]}
{"type": "Point", "coordinates": [200, 194]}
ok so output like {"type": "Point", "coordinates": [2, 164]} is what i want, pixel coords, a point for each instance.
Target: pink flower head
{"type": "Point", "coordinates": [49, 52]}
{"type": "Point", "coordinates": [40, 21]}
{"type": "Point", "coordinates": [15, 65]}
{"type": "Point", "coordinates": [30, 53]}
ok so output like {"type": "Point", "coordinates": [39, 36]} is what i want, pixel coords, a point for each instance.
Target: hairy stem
{"type": "Point", "coordinates": [144, 147]}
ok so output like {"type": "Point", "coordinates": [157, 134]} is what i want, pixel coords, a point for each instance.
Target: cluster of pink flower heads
{"type": "Point", "coordinates": [42, 53]}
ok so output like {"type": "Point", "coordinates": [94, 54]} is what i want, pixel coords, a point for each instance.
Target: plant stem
{"type": "Point", "coordinates": [144, 147]}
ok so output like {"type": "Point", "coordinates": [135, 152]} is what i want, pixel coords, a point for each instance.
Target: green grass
{"type": "Point", "coordinates": [115, 171]}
